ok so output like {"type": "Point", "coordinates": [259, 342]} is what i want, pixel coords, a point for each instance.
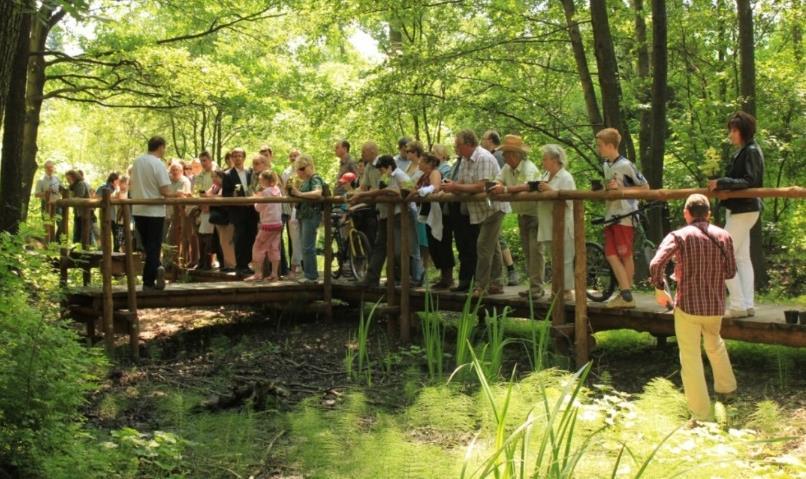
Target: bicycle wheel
{"type": "Point", "coordinates": [601, 281]}
{"type": "Point", "coordinates": [359, 254]}
{"type": "Point", "coordinates": [335, 265]}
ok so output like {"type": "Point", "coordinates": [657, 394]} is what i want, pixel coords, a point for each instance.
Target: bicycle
{"type": "Point", "coordinates": [349, 244]}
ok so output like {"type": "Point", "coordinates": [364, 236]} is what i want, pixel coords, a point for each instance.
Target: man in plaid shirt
{"type": "Point", "coordinates": [704, 259]}
{"type": "Point", "coordinates": [478, 167]}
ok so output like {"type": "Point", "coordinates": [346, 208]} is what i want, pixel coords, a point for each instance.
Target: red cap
{"type": "Point", "coordinates": [348, 177]}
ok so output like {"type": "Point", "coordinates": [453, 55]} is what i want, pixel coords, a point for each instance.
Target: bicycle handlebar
{"type": "Point", "coordinates": [605, 221]}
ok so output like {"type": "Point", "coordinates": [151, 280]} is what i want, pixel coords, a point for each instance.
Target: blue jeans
{"type": "Point", "coordinates": [309, 227]}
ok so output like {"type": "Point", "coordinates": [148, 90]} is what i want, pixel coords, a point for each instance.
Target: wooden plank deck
{"type": "Point", "coordinates": [768, 326]}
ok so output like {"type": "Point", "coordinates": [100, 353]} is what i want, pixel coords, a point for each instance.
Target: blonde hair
{"type": "Point", "coordinates": [304, 160]}
{"type": "Point", "coordinates": [441, 152]}
{"type": "Point", "coordinates": [269, 176]}
{"type": "Point", "coordinates": [609, 136]}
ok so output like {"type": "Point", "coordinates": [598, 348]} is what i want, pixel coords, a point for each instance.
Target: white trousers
{"type": "Point", "coordinates": [742, 286]}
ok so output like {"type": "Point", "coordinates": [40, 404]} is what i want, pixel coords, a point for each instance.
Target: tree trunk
{"type": "Point", "coordinates": [608, 75]}
{"type": "Point", "coordinates": [34, 96]}
{"type": "Point", "coordinates": [653, 169]}
{"type": "Point", "coordinates": [594, 116]}
{"type": "Point", "coordinates": [747, 90]}
{"type": "Point", "coordinates": [10, 17]}
{"type": "Point", "coordinates": [643, 94]}
{"type": "Point", "coordinates": [13, 127]}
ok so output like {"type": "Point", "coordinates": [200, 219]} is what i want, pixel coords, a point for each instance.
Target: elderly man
{"type": "Point", "coordinates": [491, 141]}
{"type": "Point", "coordinates": [514, 178]}
{"type": "Point", "coordinates": [704, 259]}
{"type": "Point", "coordinates": [48, 189]}
{"type": "Point", "coordinates": [478, 167]}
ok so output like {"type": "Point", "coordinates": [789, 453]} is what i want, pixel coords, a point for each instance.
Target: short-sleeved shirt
{"type": "Point", "coordinates": [48, 184]}
{"type": "Point", "coordinates": [372, 180]}
{"type": "Point", "coordinates": [409, 167]}
{"type": "Point", "coordinates": [545, 209]}
{"type": "Point", "coordinates": [481, 165]}
{"type": "Point", "coordinates": [526, 171]}
{"type": "Point", "coordinates": [310, 210]}
{"type": "Point", "coordinates": [626, 175]}
{"type": "Point", "coordinates": [80, 189]}
{"type": "Point", "coordinates": [148, 176]}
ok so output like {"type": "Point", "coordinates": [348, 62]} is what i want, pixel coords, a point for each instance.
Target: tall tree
{"type": "Point", "coordinates": [13, 125]}
{"type": "Point", "coordinates": [747, 91]}
{"type": "Point", "coordinates": [653, 168]}
{"type": "Point", "coordinates": [644, 90]}
{"type": "Point", "coordinates": [594, 116]}
{"type": "Point", "coordinates": [608, 75]}
{"type": "Point", "coordinates": [10, 17]}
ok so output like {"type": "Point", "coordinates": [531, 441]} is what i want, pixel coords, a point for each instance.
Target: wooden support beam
{"type": "Point", "coordinates": [328, 282]}
{"type": "Point", "coordinates": [86, 230]}
{"type": "Point", "coordinates": [558, 275]}
{"type": "Point", "coordinates": [391, 300]}
{"type": "Point", "coordinates": [64, 251]}
{"type": "Point", "coordinates": [405, 274]}
{"type": "Point", "coordinates": [106, 270]}
{"type": "Point", "coordinates": [580, 286]}
{"type": "Point", "coordinates": [131, 283]}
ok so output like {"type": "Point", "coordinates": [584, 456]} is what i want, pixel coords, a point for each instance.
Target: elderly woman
{"type": "Point", "coordinates": [308, 214]}
{"type": "Point", "coordinates": [556, 177]}
{"type": "Point", "coordinates": [518, 171]}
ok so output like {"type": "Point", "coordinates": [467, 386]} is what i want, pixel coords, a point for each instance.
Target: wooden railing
{"type": "Point", "coordinates": [403, 300]}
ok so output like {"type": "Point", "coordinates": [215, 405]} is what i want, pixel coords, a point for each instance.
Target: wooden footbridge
{"type": "Point", "coordinates": [116, 307]}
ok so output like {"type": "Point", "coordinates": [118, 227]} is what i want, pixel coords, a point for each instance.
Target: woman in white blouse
{"type": "Point", "coordinates": [556, 177]}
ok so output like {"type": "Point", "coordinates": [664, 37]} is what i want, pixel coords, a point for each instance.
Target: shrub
{"type": "Point", "coordinates": [44, 372]}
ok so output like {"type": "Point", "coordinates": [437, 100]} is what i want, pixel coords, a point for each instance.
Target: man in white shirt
{"type": "Point", "coordinates": [149, 180]}
{"type": "Point", "coordinates": [47, 190]}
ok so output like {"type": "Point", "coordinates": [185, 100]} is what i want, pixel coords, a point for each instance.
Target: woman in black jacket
{"type": "Point", "coordinates": [746, 170]}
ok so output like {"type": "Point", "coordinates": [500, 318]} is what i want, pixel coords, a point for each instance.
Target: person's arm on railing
{"type": "Point", "coordinates": [166, 192]}
{"type": "Point", "coordinates": [454, 187]}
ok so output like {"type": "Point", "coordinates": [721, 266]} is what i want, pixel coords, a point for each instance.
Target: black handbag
{"type": "Point", "coordinates": [219, 216]}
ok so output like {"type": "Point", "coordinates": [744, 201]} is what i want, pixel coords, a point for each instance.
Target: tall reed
{"type": "Point", "coordinates": [433, 337]}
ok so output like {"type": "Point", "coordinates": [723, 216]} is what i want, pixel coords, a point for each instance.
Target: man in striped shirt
{"type": "Point", "coordinates": [704, 259]}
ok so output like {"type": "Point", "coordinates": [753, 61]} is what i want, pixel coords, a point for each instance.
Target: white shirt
{"type": "Point", "coordinates": [242, 176]}
{"type": "Point", "coordinates": [149, 174]}
{"type": "Point", "coordinates": [545, 209]}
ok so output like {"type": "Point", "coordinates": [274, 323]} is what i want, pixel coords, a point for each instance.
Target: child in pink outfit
{"type": "Point", "coordinates": [267, 242]}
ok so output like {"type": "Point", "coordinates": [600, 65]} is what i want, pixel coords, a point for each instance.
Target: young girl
{"type": "Point", "coordinates": [267, 241]}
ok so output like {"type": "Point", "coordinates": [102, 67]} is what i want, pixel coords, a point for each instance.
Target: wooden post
{"type": "Point", "coordinates": [580, 286]}
{"type": "Point", "coordinates": [558, 275]}
{"type": "Point", "coordinates": [131, 284]}
{"type": "Point", "coordinates": [50, 226]}
{"type": "Point", "coordinates": [328, 286]}
{"type": "Point", "coordinates": [106, 270]}
{"type": "Point", "coordinates": [391, 300]}
{"type": "Point", "coordinates": [86, 228]}
{"type": "Point", "coordinates": [176, 236]}
{"type": "Point", "coordinates": [405, 273]}
{"type": "Point", "coordinates": [64, 251]}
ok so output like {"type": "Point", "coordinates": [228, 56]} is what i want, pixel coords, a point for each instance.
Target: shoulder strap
{"type": "Point", "coordinates": [714, 240]}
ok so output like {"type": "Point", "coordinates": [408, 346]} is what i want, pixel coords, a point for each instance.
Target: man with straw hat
{"type": "Point", "coordinates": [515, 177]}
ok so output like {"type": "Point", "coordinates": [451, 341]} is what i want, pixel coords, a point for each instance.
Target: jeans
{"type": "Point", "coordinates": [533, 250]}
{"type": "Point", "coordinates": [688, 329]}
{"type": "Point", "coordinates": [489, 265]}
{"type": "Point", "coordinates": [742, 286]}
{"type": "Point", "coordinates": [150, 230]}
{"type": "Point", "coordinates": [309, 227]}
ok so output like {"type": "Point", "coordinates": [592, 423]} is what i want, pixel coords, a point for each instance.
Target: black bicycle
{"type": "Point", "coordinates": [350, 246]}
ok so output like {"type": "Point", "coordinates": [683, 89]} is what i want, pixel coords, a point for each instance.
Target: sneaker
{"type": "Point", "coordinates": [160, 281]}
{"type": "Point", "coordinates": [751, 312]}
{"type": "Point", "coordinates": [735, 314]}
{"type": "Point", "coordinates": [617, 302]}
{"type": "Point", "coordinates": [512, 277]}
{"type": "Point", "coordinates": [726, 398]}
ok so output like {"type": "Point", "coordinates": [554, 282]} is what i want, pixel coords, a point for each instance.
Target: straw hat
{"type": "Point", "coordinates": [514, 143]}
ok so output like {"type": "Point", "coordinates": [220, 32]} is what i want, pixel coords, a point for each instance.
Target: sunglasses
{"type": "Point", "coordinates": [301, 168]}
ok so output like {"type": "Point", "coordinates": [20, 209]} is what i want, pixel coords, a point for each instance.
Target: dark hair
{"type": "Point", "coordinates": [431, 159]}
{"type": "Point", "coordinates": [698, 206]}
{"type": "Point", "coordinates": [386, 161]}
{"type": "Point", "coordinates": [221, 174]}
{"type": "Point", "coordinates": [493, 136]}
{"type": "Point", "coordinates": [417, 147]}
{"type": "Point", "coordinates": [403, 141]}
{"type": "Point", "coordinates": [205, 154]}
{"type": "Point", "coordinates": [467, 137]}
{"type": "Point", "coordinates": [155, 142]}
{"type": "Point", "coordinates": [345, 144]}
{"type": "Point", "coordinates": [73, 174]}
{"type": "Point", "coordinates": [114, 176]}
{"type": "Point", "coordinates": [745, 123]}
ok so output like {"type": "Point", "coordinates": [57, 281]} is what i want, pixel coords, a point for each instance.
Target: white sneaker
{"type": "Point", "coordinates": [617, 302]}
{"type": "Point", "coordinates": [736, 314]}
{"type": "Point", "coordinates": [159, 283]}
{"type": "Point", "coordinates": [751, 312]}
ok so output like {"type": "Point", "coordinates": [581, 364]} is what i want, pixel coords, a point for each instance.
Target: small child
{"type": "Point", "coordinates": [267, 241]}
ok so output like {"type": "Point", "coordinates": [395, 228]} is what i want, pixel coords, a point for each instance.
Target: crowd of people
{"type": "Point", "coordinates": [273, 240]}
{"type": "Point", "coordinates": [267, 241]}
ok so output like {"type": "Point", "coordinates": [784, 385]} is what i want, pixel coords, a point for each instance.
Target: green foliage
{"type": "Point", "coordinates": [45, 373]}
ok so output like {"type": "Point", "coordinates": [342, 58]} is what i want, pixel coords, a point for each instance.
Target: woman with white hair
{"type": "Point", "coordinates": [556, 177]}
